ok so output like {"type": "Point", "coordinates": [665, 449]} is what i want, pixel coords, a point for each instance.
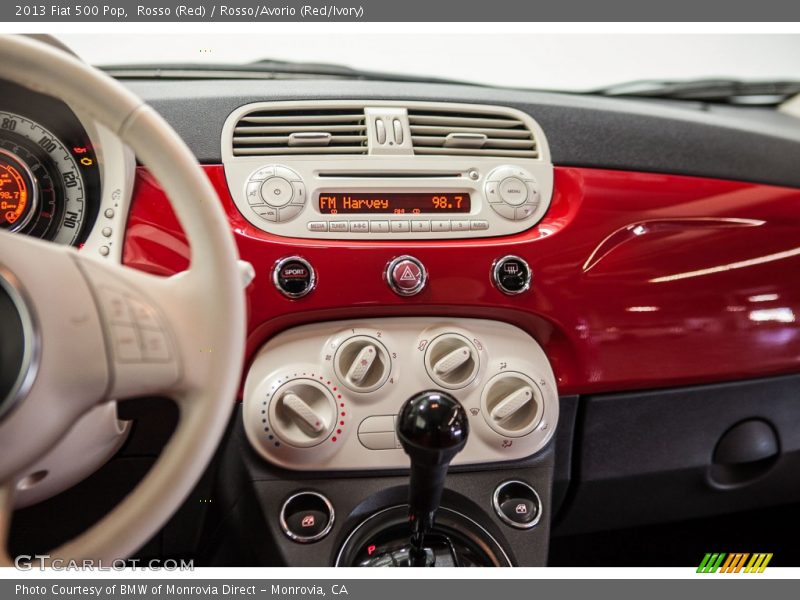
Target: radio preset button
{"type": "Point", "coordinates": [400, 226]}
{"type": "Point", "coordinates": [276, 191]}
{"type": "Point", "coordinates": [420, 226]}
{"type": "Point", "coordinates": [406, 276]}
{"type": "Point", "coordinates": [294, 277]}
{"type": "Point", "coordinates": [317, 226]}
{"type": "Point", "coordinates": [513, 191]}
{"type": "Point", "coordinates": [379, 226]}
{"type": "Point", "coordinates": [338, 226]}
{"type": "Point", "coordinates": [359, 226]}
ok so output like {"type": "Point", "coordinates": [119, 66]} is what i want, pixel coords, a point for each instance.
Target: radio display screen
{"type": "Point", "coordinates": [413, 203]}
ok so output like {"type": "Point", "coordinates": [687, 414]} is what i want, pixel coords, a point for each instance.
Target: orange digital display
{"type": "Point", "coordinates": [14, 195]}
{"type": "Point", "coordinates": [393, 203]}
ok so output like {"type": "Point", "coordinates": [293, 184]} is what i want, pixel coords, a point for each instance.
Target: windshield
{"type": "Point", "coordinates": [569, 62]}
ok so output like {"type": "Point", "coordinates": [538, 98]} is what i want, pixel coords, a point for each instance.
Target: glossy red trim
{"type": "Point", "coordinates": [640, 280]}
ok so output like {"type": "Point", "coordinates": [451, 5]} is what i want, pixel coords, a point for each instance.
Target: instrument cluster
{"type": "Point", "coordinates": [50, 184]}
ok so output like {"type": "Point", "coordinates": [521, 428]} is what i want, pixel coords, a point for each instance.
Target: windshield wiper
{"type": "Point", "coordinates": [262, 69]}
{"type": "Point", "coordinates": [729, 91]}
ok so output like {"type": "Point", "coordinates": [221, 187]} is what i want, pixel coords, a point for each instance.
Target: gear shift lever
{"type": "Point", "coordinates": [432, 428]}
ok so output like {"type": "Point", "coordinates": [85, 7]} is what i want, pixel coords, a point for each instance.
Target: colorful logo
{"type": "Point", "coordinates": [721, 562]}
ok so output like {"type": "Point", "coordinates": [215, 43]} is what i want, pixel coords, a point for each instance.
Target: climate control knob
{"type": "Point", "coordinates": [512, 404]}
{"type": "Point", "coordinates": [452, 361]}
{"type": "Point", "coordinates": [302, 413]}
{"type": "Point", "coordinates": [362, 363]}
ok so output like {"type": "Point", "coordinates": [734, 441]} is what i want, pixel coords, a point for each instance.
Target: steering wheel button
{"type": "Point", "coordinates": [154, 345]}
{"type": "Point", "coordinates": [116, 309]}
{"type": "Point", "coordinates": [276, 191]}
{"type": "Point", "coordinates": [513, 191]}
{"type": "Point", "coordinates": [126, 343]}
{"type": "Point", "coordinates": [145, 316]}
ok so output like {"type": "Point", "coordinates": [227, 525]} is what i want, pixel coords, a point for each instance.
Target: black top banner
{"type": "Point", "coordinates": [142, 11]}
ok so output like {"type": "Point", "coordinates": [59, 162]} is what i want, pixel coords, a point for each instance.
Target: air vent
{"type": "Point", "coordinates": [275, 132]}
{"type": "Point", "coordinates": [470, 134]}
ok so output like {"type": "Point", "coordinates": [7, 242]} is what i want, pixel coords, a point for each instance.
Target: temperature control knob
{"type": "Point", "coordinates": [512, 404]}
{"type": "Point", "coordinates": [302, 413]}
{"type": "Point", "coordinates": [362, 363]}
{"type": "Point", "coordinates": [452, 361]}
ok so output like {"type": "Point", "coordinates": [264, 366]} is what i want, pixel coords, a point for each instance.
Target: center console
{"type": "Point", "coordinates": [392, 441]}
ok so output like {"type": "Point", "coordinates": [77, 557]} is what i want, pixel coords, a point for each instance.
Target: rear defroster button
{"type": "Point", "coordinates": [406, 276]}
{"type": "Point", "coordinates": [294, 277]}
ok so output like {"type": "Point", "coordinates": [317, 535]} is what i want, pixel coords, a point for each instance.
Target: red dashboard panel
{"type": "Point", "coordinates": [639, 280]}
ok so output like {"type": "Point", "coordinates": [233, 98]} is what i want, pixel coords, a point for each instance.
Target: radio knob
{"type": "Point", "coordinates": [512, 404]}
{"type": "Point", "coordinates": [302, 413]}
{"type": "Point", "coordinates": [452, 361]}
{"type": "Point", "coordinates": [362, 363]}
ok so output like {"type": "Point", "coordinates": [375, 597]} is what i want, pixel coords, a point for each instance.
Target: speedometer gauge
{"type": "Point", "coordinates": [43, 191]}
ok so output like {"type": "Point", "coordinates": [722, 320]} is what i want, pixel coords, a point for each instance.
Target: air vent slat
{"type": "Point", "coordinates": [490, 142]}
{"type": "Point", "coordinates": [429, 150]}
{"type": "Point", "coordinates": [277, 151]}
{"type": "Point", "coordinates": [457, 133]}
{"type": "Point", "coordinates": [283, 140]}
{"type": "Point", "coordinates": [302, 118]}
{"type": "Point", "coordinates": [424, 119]}
{"type": "Point", "coordinates": [291, 132]}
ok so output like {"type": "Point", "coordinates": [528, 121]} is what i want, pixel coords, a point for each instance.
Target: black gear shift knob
{"type": "Point", "coordinates": [432, 428]}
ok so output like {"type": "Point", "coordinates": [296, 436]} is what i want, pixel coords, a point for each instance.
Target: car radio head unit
{"type": "Point", "coordinates": [411, 170]}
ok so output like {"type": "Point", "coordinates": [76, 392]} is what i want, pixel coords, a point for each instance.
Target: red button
{"type": "Point", "coordinates": [406, 276]}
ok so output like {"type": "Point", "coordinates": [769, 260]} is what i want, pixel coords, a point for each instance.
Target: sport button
{"type": "Point", "coordinates": [406, 276]}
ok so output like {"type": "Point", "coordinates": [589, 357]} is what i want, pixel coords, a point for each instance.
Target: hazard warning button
{"type": "Point", "coordinates": [406, 276]}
